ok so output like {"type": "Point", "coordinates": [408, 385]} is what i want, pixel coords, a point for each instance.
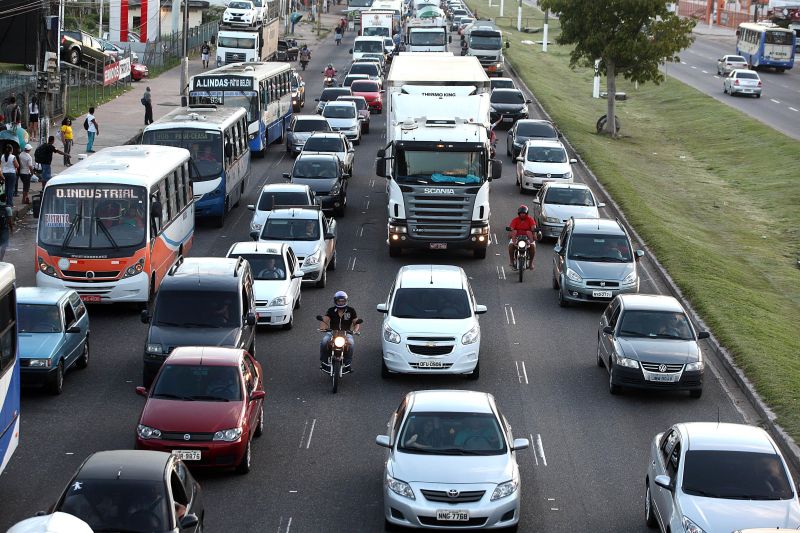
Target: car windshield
{"type": "Point", "coordinates": [535, 129]}
{"type": "Point", "coordinates": [451, 434]}
{"type": "Point", "coordinates": [198, 382]}
{"type": "Point", "coordinates": [363, 86]}
{"type": "Point", "coordinates": [294, 229]}
{"type": "Point", "coordinates": [247, 43]}
{"type": "Point", "coordinates": [502, 84]}
{"type": "Point", "coordinates": [507, 97]}
{"type": "Point", "coordinates": [271, 199]}
{"type": "Point", "coordinates": [429, 167]}
{"type": "Point", "coordinates": [736, 475]}
{"type": "Point", "coordinates": [93, 217]}
{"type": "Point", "coordinates": [426, 38]}
{"type": "Point", "coordinates": [38, 318]}
{"type": "Point", "coordinates": [197, 309]}
{"type": "Point", "coordinates": [118, 504]}
{"type": "Point", "coordinates": [314, 124]}
{"type": "Point", "coordinates": [332, 94]}
{"type": "Point", "coordinates": [559, 196]}
{"type": "Point", "coordinates": [319, 167]}
{"type": "Point", "coordinates": [365, 67]}
{"type": "Point", "coordinates": [339, 111]}
{"type": "Point", "coordinates": [600, 248]}
{"type": "Point", "coordinates": [324, 144]}
{"type": "Point", "coordinates": [266, 267]}
{"type": "Point", "coordinates": [368, 46]}
{"type": "Point", "coordinates": [655, 325]}
{"type": "Point", "coordinates": [205, 146]}
{"type": "Point", "coordinates": [485, 42]}
{"type": "Point", "coordinates": [744, 75]}
{"type": "Point", "coordinates": [546, 154]}
{"type": "Point", "coordinates": [432, 304]}
{"type": "Point", "coordinates": [361, 104]}
{"type": "Point", "coordinates": [240, 5]}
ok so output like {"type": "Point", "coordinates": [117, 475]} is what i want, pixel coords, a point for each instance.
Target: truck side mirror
{"type": "Point", "coordinates": [380, 167]}
{"type": "Point", "coordinates": [496, 169]}
{"type": "Point", "coordinates": [508, 44]}
{"type": "Point", "coordinates": [449, 38]}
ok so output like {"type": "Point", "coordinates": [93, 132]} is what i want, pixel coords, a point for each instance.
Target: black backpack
{"type": "Point", "coordinates": [40, 154]}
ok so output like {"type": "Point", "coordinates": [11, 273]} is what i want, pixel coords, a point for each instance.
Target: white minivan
{"type": "Point", "coordinates": [431, 323]}
{"type": "Point", "coordinates": [367, 45]}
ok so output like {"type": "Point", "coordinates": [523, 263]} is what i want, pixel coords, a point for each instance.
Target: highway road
{"type": "Point", "coordinates": [317, 468]}
{"type": "Point", "coordinates": [779, 105]}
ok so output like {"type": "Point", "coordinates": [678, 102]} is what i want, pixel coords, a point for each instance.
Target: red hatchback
{"type": "Point", "coordinates": [205, 406]}
{"type": "Point", "coordinates": [371, 91]}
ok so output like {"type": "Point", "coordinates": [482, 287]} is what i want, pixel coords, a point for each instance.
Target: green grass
{"type": "Point", "coordinates": [81, 99]}
{"type": "Point", "coordinates": [714, 194]}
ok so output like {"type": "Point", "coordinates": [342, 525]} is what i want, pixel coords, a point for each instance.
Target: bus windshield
{"type": "Point", "coordinates": [246, 99]}
{"type": "Point", "coordinates": [93, 216]}
{"type": "Point", "coordinates": [430, 167]}
{"type": "Point", "coordinates": [359, 3]}
{"type": "Point", "coordinates": [204, 145]}
{"type": "Point", "coordinates": [426, 38]}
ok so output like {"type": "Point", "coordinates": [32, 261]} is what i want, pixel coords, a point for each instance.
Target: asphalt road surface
{"type": "Point", "coordinates": [779, 105]}
{"type": "Point", "coordinates": [317, 468]}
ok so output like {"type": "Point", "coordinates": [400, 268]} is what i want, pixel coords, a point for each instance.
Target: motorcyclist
{"type": "Point", "coordinates": [329, 72]}
{"type": "Point", "coordinates": [522, 224]}
{"type": "Point", "coordinates": [340, 317]}
{"type": "Point", "coordinates": [305, 54]}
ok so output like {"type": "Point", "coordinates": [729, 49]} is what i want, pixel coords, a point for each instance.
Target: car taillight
{"type": "Point", "coordinates": [736, 82]}
{"type": "Point", "coordinates": [759, 83]}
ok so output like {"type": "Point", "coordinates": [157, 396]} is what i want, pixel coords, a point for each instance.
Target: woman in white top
{"type": "Point", "coordinates": [10, 167]}
{"type": "Point", "coordinates": [25, 172]}
{"type": "Point", "coordinates": [33, 118]}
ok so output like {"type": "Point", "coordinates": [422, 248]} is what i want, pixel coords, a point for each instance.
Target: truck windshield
{"type": "Point", "coordinates": [429, 167]}
{"type": "Point", "coordinates": [204, 145]}
{"type": "Point", "coordinates": [377, 31]}
{"type": "Point", "coordinates": [246, 43]}
{"type": "Point", "coordinates": [485, 42]}
{"type": "Point", "coordinates": [368, 46]}
{"type": "Point", "coordinates": [426, 38]}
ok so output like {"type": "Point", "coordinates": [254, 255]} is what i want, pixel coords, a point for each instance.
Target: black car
{"type": "Point", "coordinates": [526, 129]}
{"type": "Point", "coordinates": [324, 174]}
{"type": "Point", "coordinates": [510, 105]}
{"type": "Point", "coordinates": [134, 490]}
{"type": "Point", "coordinates": [80, 48]}
{"type": "Point", "coordinates": [329, 94]}
{"type": "Point", "coordinates": [202, 301]}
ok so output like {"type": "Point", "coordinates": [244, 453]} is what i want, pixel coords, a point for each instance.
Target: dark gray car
{"type": "Point", "coordinates": [526, 129]}
{"type": "Point", "coordinates": [508, 105]}
{"type": "Point", "coordinates": [301, 128]}
{"type": "Point", "coordinates": [646, 341]}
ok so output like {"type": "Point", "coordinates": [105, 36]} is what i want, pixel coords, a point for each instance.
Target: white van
{"type": "Point", "coordinates": [367, 45]}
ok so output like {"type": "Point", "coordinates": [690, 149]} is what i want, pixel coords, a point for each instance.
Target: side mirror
{"type": "Point", "coordinates": [250, 319]}
{"type": "Point", "coordinates": [381, 153]}
{"type": "Point", "coordinates": [496, 167]}
{"type": "Point", "coordinates": [382, 308]}
{"type": "Point", "coordinates": [257, 395]}
{"type": "Point", "coordinates": [330, 235]}
{"type": "Point", "coordinates": [141, 391]}
{"type": "Point", "coordinates": [520, 444]}
{"type": "Point", "coordinates": [600, 205]}
{"type": "Point", "coordinates": [254, 235]}
{"type": "Point", "coordinates": [383, 441]}
{"type": "Point", "coordinates": [286, 176]}
{"type": "Point", "coordinates": [380, 167]}
{"type": "Point", "coordinates": [449, 38]}
{"type": "Point", "coordinates": [480, 309]}
{"type": "Point", "coordinates": [251, 207]}
{"type": "Point", "coordinates": [665, 482]}
{"type": "Point", "coordinates": [189, 521]}
{"type": "Point", "coordinates": [557, 249]}
{"type": "Point", "coordinates": [639, 254]}
{"type": "Point", "coordinates": [608, 330]}
{"type": "Point", "coordinates": [298, 274]}
{"type": "Point", "coordinates": [703, 335]}
{"type": "Point", "coordinates": [508, 228]}
{"type": "Point", "coordinates": [350, 51]}
{"type": "Point", "coordinates": [316, 99]}
{"type": "Point", "coordinates": [528, 100]}
{"type": "Point", "coordinates": [74, 329]}
{"type": "Point", "coordinates": [145, 316]}
{"type": "Point", "coordinates": [573, 161]}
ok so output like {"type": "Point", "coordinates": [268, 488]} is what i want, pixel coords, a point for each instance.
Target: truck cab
{"type": "Point", "coordinates": [486, 43]}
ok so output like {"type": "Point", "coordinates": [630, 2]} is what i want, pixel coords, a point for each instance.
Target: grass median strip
{"type": "Point", "coordinates": [713, 192]}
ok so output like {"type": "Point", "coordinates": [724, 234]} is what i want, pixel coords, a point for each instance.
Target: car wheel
{"type": "Point", "coordinates": [289, 324]}
{"type": "Point", "coordinates": [75, 56]}
{"type": "Point", "coordinates": [332, 264]}
{"type": "Point", "coordinates": [758, 96]}
{"type": "Point", "coordinates": [508, 150]}
{"type": "Point", "coordinates": [600, 362]}
{"type": "Point", "coordinates": [260, 425]}
{"type": "Point", "coordinates": [562, 301]}
{"type": "Point", "coordinates": [385, 374]}
{"type": "Point", "coordinates": [323, 280]}
{"type": "Point", "coordinates": [288, 148]}
{"type": "Point", "coordinates": [366, 128]}
{"type": "Point", "coordinates": [57, 381]}
{"type": "Point", "coordinates": [475, 373]}
{"type": "Point", "coordinates": [298, 301]}
{"type": "Point", "coordinates": [83, 360]}
{"type": "Point", "coordinates": [649, 515]}
{"type": "Point", "coordinates": [696, 394]}
{"type": "Point", "coordinates": [244, 465]}
{"type": "Point", "coordinates": [357, 141]}
{"type": "Point", "coordinates": [554, 283]}
{"type": "Point", "coordinates": [612, 387]}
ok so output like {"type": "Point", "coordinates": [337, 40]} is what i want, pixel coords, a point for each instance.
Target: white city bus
{"type": "Point", "coordinates": [766, 45]}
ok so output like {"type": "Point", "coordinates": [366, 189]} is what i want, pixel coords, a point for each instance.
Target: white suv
{"type": "Point", "coordinates": [431, 324]}
{"type": "Point", "coordinates": [542, 160]}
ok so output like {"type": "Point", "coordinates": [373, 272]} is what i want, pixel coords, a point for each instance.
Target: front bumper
{"type": "Point", "coordinates": [133, 289]}
{"type": "Point", "coordinates": [634, 378]}
{"type": "Point", "coordinates": [550, 230]}
{"type": "Point", "coordinates": [399, 358]}
{"type": "Point", "coordinates": [277, 315]}
{"type": "Point", "coordinates": [508, 118]}
{"type": "Point", "coordinates": [35, 376]}
{"type": "Point", "coordinates": [580, 292]}
{"type": "Point", "coordinates": [401, 239]}
{"type": "Point", "coordinates": [535, 183]}
{"type": "Point", "coordinates": [375, 106]}
{"type": "Point", "coordinates": [421, 513]}
{"type": "Point", "coordinates": [312, 273]}
{"type": "Point", "coordinates": [329, 203]}
{"type": "Point", "coordinates": [212, 454]}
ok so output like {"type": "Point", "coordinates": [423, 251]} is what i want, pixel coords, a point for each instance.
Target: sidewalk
{"type": "Point", "coordinates": [715, 31]}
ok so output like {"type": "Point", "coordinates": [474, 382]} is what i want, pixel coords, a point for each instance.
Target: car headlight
{"type": "Point", "coordinates": [280, 300]}
{"type": "Point", "coordinates": [529, 173]}
{"type": "Point", "coordinates": [312, 259]}
{"type": "Point", "coordinates": [691, 527]}
{"type": "Point", "coordinates": [228, 435]}
{"type": "Point", "coordinates": [697, 365]}
{"type": "Point", "coordinates": [45, 268]}
{"type": "Point", "coordinates": [630, 278]}
{"type": "Point", "coordinates": [568, 175]}
{"type": "Point", "coordinates": [505, 489]}
{"type": "Point", "coordinates": [134, 269]}
{"type": "Point", "coordinates": [627, 363]}
{"type": "Point", "coordinates": [335, 190]}
{"type": "Point", "coordinates": [39, 363]}
{"type": "Point", "coordinates": [153, 348]}
{"type": "Point", "coordinates": [574, 276]}
{"type": "Point", "coordinates": [400, 488]}
{"type": "Point", "coordinates": [472, 336]}
{"type": "Point", "coordinates": [146, 432]}
{"type": "Point", "coordinates": [552, 220]}
{"type": "Point", "coordinates": [390, 335]}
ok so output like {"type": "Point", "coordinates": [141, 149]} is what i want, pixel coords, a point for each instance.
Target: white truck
{"type": "Point", "coordinates": [248, 45]}
{"type": "Point", "coordinates": [437, 157]}
{"type": "Point", "coordinates": [376, 23]}
{"type": "Point", "coordinates": [424, 35]}
{"type": "Point", "coordinates": [485, 42]}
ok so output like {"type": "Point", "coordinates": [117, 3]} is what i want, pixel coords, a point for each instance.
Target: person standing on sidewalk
{"type": "Point", "coordinates": [6, 225]}
{"type": "Point", "coordinates": [205, 50]}
{"type": "Point", "coordinates": [25, 172]}
{"type": "Point", "coordinates": [67, 138]}
{"type": "Point", "coordinates": [12, 113]}
{"type": "Point", "coordinates": [147, 102]}
{"type": "Point", "coordinates": [10, 168]}
{"type": "Point", "coordinates": [44, 156]}
{"type": "Point", "coordinates": [92, 128]}
{"type": "Point", "coordinates": [33, 118]}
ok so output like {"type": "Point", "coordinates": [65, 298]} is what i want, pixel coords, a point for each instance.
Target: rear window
{"type": "Point", "coordinates": [312, 125]}
{"type": "Point", "coordinates": [507, 97]}
{"type": "Point", "coordinates": [324, 144]}
{"type": "Point", "coordinates": [736, 59]}
{"type": "Point", "coordinates": [431, 304]}
{"type": "Point", "coordinates": [360, 86]}
{"type": "Point", "coordinates": [339, 111]}
{"type": "Point", "coordinates": [332, 94]}
{"type": "Point", "coordinates": [368, 68]}
{"type": "Point", "coordinates": [747, 76]}
{"type": "Point", "coordinates": [541, 130]}
{"type": "Point", "coordinates": [502, 84]}
{"type": "Point", "coordinates": [360, 102]}
{"type": "Point", "coordinates": [269, 200]}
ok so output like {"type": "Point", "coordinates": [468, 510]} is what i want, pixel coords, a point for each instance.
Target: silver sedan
{"type": "Point", "coordinates": [741, 81]}
{"type": "Point", "coordinates": [727, 63]}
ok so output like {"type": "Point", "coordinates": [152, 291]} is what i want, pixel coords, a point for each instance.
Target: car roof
{"type": "Point", "coordinates": [738, 70]}
{"type": "Point", "coordinates": [257, 248]}
{"type": "Point", "coordinates": [598, 225]}
{"type": "Point", "coordinates": [726, 436]}
{"type": "Point", "coordinates": [285, 187]}
{"type": "Point", "coordinates": [295, 212]}
{"type": "Point", "coordinates": [557, 185]}
{"type": "Point", "coordinates": [532, 120]}
{"type": "Point", "coordinates": [502, 79]}
{"type": "Point", "coordinates": [430, 276]}
{"type": "Point", "coordinates": [350, 98]}
{"type": "Point", "coordinates": [125, 465]}
{"type": "Point", "coordinates": [547, 143]}
{"type": "Point", "coordinates": [340, 103]}
{"type": "Point", "coordinates": [203, 273]}
{"type": "Point", "coordinates": [205, 355]}
{"type": "Point", "coordinates": [41, 295]}
{"type": "Point", "coordinates": [650, 302]}
{"type": "Point", "coordinates": [327, 134]}
{"type": "Point", "coordinates": [317, 156]}
{"type": "Point", "coordinates": [460, 401]}
{"type": "Point", "coordinates": [309, 117]}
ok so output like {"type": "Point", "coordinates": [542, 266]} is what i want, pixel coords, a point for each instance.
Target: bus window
{"type": "Point", "coordinates": [164, 197]}
{"type": "Point", "coordinates": [242, 137]}
{"type": "Point", "coordinates": [155, 222]}
{"type": "Point", "coordinates": [180, 200]}
{"type": "Point", "coordinates": [174, 206]}
{"type": "Point", "coordinates": [8, 340]}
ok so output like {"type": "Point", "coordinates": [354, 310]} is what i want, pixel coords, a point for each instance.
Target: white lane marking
{"type": "Point", "coordinates": [540, 448]}
{"type": "Point", "coordinates": [535, 456]}
{"type": "Point", "coordinates": [310, 434]}
{"type": "Point", "coordinates": [501, 273]}
{"type": "Point", "coordinates": [694, 67]}
{"type": "Point", "coordinates": [773, 100]}
{"type": "Point", "coordinates": [303, 435]}
{"type": "Point", "coordinates": [704, 71]}
{"type": "Point", "coordinates": [361, 232]}
{"type": "Point", "coordinates": [510, 320]}
{"type": "Point", "coordinates": [716, 76]}
{"type": "Point", "coordinates": [523, 375]}
{"type": "Point", "coordinates": [683, 62]}
{"type": "Point", "coordinates": [372, 183]}
{"type": "Point", "coordinates": [793, 109]}
{"type": "Point", "coordinates": [289, 525]}
{"type": "Point", "coordinates": [495, 238]}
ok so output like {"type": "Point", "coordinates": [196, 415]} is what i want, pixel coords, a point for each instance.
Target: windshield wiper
{"type": "Point", "coordinates": [669, 336]}
{"type": "Point", "coordinates": [460, 451]}
{"type": "Point", "coordinates": [626, 333]}
{"type": "Point", "coordinates": [106, 232]}
{"type": "Point", "coordinates": [749, 497]}
{"type": "Point", "coordinates": [168, 324]}
{"type": "Point", "coordinates": [209, 398]}
{"type": "Point", "coordinates": [72, 228]}
{"type": "Point", "coordinates": [172, 396]}
{"type": "Point", "coordinates": [698, 492]}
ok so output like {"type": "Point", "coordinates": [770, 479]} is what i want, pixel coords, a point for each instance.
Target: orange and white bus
{"type": "Point", "coordinates": [111, 226]}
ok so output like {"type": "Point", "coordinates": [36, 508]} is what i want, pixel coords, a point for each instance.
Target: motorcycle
{"type": "Point", "coordinates": [523, 250]}
{"type": "Point", "coordinates": [337, 346]}
{"type": "Point", "coordinates": [303, 63]}
{"type": "Point", "coordinates": [330, 81]}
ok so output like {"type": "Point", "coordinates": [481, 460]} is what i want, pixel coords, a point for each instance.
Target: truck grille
{"type": "Point", "coordinates": [438, 217]}
{"type": "Point", "coordinates": [234, 57]}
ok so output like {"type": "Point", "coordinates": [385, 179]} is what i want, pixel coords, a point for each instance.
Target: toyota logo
{"type": "Point", "coordinates": [662, 368]}
{"type": "Point", "coordinates": [187, 436]}
{"type": "Point", "coordinates": [89, 274]}
{"type": "Point", "coordinates": [453, 493]}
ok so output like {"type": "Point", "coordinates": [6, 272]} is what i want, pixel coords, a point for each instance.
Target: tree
{"type": "Point", "coordinates": [630, 37]}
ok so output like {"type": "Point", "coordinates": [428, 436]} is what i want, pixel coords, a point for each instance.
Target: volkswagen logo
{"type": "Point", "coordinates": [662, 368]}
{"type": "Point", "coordinates": [187, 436]}
{"type": "Point", "coordinates": [453, 493]}
{"type": "Point", "coordinates": [549, 175]}
{"type": "Point", "coordinates": [89, 274]}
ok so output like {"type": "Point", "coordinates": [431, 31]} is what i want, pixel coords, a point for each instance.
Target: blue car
{"type": "Point", "coordinates": [53, 327]}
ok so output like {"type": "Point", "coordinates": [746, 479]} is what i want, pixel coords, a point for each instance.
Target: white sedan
{"type": "Point", "coordinates": [274, 195]}
{"type": "Point", "coordinates": [741, 81]}
{"type": "Point", "coordinates": [241, 13]}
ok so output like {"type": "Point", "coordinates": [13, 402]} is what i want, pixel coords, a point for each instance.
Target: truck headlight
{"type": "Point", "coordinates": [568, 175]}
{"type": "Point", "coordinates": [552, 220]}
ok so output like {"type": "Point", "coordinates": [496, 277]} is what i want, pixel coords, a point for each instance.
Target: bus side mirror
{"type": "Point", "coordinates": [449, 38]}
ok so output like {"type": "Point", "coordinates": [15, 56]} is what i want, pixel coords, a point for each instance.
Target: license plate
{"type": "Point", "coordinates": [452, 516]}
{"type": "Point", "coordinates": [664, 378]}
{"type": "Point", "coordinates": [430, 364]}
{"type": "Point", "coordinates": [601, 294]}
{"type": "Point", "coordinates": [187, 455]}
{"type": "Point", "coordinates": [438, 246]}
{"type": "Point", "coordinates": [91, 298]}
{"type": "Point", "coordinates": [508, 119]}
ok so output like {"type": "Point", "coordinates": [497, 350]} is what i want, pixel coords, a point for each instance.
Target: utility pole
{"type": "Point", "coordinates": [544, 30]}
{"type": "Point", "coordinates": [502, 2]}
{"type": "Point", "coordinates": [100, 26]}
{"type": "Point", "coordinates": [319, 16]}
{"type": "Point", "coordinates": [519, 15]}
{"type": "Point", "coordinates": [184, 78]}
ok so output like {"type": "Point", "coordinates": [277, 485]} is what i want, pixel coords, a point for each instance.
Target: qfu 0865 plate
{"type": "Point", "coordinates": [187, 455]}
{"type": "Point", "coordinates": [452, 516]}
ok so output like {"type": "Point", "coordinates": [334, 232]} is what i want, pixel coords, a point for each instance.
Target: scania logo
{"type": "Point", "coordinates": [453, 493]}
{"type": "Point", "coordinates": [439, 191]}
{"type": "Point", "coordinates": [187, 436]}
{"type": "Point", "coordinates": [662, 368]}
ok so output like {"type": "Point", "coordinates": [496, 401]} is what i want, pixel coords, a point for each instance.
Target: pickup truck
{"type": "Point", "coordinates": [287, 50]}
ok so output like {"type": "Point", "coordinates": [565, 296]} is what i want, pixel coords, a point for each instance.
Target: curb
{"type": "Point", "coordinates": [787, 444]}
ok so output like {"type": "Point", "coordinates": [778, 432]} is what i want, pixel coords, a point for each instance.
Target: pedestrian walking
{"type": "Point", "coordinates": [33, 118]}
{"type": "Point", "coordinates": [67, 139]}
{"type": "Point", "coordinates": [6, 225]}
{"type": "Point", "coordinates": [337, 34]}
{"type": "Point", "coordinates": [25, 172]}
{"type": "Point", "coordinates": [44, 156]}
{"type": "Point", "coordinates": [10, 169]}
{"type": "Point", "coordinates": [205, 50]}
{"type": "Point", "coordinates": [92, 129]}
{"type": "Point", "coordinates": [147, 102]}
